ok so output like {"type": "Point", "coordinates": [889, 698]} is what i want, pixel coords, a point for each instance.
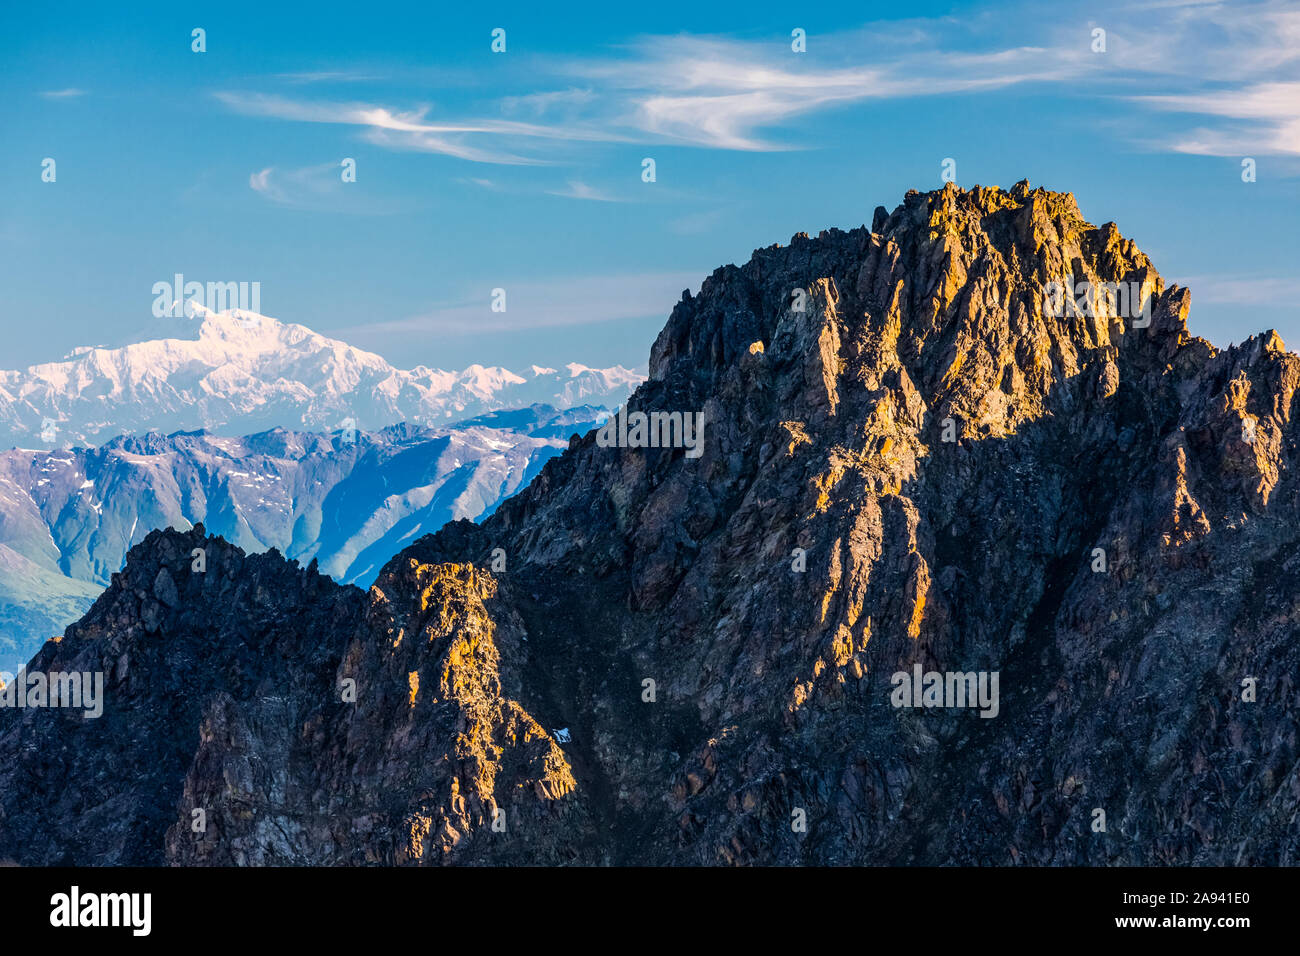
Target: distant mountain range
{"type": "Point", "coordinates": [346, 500]}
{"type": "Point", "coordinates": [246, 373]}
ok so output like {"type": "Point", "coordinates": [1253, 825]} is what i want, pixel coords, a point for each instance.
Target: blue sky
{"type": "Point", "coordinates": [523, 170]}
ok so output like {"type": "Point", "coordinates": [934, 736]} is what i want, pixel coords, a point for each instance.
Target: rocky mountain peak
{"type": "Point", "coordinates": [950, 288]}
{"type": "Point", "coordinates": [920, 453]}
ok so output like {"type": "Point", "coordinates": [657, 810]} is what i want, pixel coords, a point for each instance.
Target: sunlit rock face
{"type": "Point", "coordinates": [918, 463]}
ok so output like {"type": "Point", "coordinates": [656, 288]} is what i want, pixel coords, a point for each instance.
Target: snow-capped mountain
{"type": "Point", "coordinates": [246, 372]}
{"type": "Point", "coordinates": [349, 501]}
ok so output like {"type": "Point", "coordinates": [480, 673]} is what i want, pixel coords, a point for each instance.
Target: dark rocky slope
{"type": "Point", "coordinates": [1121, 689]}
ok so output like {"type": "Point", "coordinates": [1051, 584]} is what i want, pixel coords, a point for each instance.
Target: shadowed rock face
{"type": "Point", "coordinates": [310, 722]}
{"type": "Point", "coordinates": [1098, 507]}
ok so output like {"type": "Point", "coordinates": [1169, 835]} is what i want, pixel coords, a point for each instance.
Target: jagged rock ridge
{"type": "Point", "coordinates": [827, 411]}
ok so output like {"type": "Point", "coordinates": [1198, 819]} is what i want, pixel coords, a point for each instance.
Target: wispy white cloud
{"type": "Point", "coordinates": [410, 130]}
{"type": "Point", "coordinates": [328, 76]}
{"type": "Point", "coordinates": [70, 93]}
{"type": "Point", "coordinates": [699, 91]}
{"type": "Point", "coordinates": [1268, 116]}
{"type": "Point", "coordinates": [541, 104]}
{"type": "Point", "coordinates": [1239, 63]}
{"type": "Point", "coordinates": [1208, 41]}
{"type": "Point", "coordinates": [260, 182]}
{"type": "Point", "coordinates": [576, 189]}
{"type": "Point", "coordinates": [319, 187]}
{"type": "Point", "coordinates": [722, 93]}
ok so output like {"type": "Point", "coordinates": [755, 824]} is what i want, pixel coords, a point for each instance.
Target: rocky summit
{"type": "Point", "coordinates": [984, 559]}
